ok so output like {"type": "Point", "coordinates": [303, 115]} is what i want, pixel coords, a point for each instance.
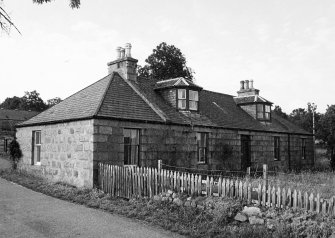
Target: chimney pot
{"type": "Point", "coordinates": [252, 84]}
{"type": "Point", "coordinates": [128, 49]}
{"type": "Point", "coordinates": [122, 50]}
{"type": "Point", "coordinates": [118, 52]}
{"type": "Point", "coordinates": [246, 84]}
{"type": "Point", "coordinates": [242, 85]}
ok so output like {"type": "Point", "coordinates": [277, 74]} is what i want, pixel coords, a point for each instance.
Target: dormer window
{"type": "Point", "coordinates": [182, 98]}
{"type": "Point", "coordinates": [263, 112]}
{"type": "Point", "coordinates": [187, 99]}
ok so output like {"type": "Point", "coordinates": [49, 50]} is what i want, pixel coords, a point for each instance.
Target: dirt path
{"type": "Point", "coordinates": [4, 163]}
{"type": "Point", "coordinates": [25, 213]}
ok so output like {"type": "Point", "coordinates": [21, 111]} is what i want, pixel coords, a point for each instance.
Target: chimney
{"type": "Point", "coordinates": [247, 89]}
{"type": "Point", "coordinates": [246, 84]}
{"type": "Point", "coordinates": [242, 85]}
{"type": "Point", "coordinates": [128, 49]}
{"type": "Point", "coordinates": [124, 64]}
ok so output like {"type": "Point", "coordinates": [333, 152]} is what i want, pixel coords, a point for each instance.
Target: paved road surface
{"type": "Point", "coordinates": [25, 213]}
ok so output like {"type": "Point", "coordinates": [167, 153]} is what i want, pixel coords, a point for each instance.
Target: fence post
{"type": "Point", "coordinates": [159, 165]}
{"type": "Point", "coordinates": [248, 175]}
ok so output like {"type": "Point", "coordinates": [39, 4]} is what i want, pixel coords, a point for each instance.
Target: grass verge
{"type": "Point", "coordinates": [189, 221]}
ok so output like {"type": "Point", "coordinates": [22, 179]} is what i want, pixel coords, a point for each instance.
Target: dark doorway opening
{"type": "Point", "coordinates": [245, 152]}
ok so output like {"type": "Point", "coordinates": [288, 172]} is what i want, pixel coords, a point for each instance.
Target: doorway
{"type": "Point", "coordinates": [245, 152]}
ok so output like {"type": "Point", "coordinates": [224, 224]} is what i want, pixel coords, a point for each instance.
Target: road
{"type": "Point", "coordinates": [25, 213]}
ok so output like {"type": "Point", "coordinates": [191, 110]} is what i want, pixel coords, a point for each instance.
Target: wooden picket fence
{"type": "Point", "coordinates": [135, 182]}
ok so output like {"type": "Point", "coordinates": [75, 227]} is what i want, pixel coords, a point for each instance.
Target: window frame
{"type": "Point", "coordinates": [129, 160]}
{"type": "Point", "coordinates": [262, 113]}
{"type": "Point", "coordinates": [36, 147]}
{"type": "Point", "coordinates": [303, 148]}
{"type": "Point", "coordinates": [276, 149]}
{"type": "Point", "coordinates": [187, 99]}
{"type": "Point", "coordinates": [202, 147]}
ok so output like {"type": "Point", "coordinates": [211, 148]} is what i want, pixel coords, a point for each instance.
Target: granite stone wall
{"type": "Point", "coordinates": [177, 146]}
{"type": "Point", "coordinates": [66, 152]}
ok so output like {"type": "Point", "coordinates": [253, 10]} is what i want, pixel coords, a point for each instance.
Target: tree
{"type": "Point", "coordinates": [166, 62]}
{"type": "Point", "coordinates": [33, 102]}
{"type": "Point", "coordinates": [12, 103]}
{"type": "Point", "coordinates": [327, 132]}
{"type": "Point", "coordinates": [53, 101]}
{"type": "Point", "coordinates": [15, 153]}
{"type": "Point", "coordinates": [304, 118]}
{"type": "Point", "coordinates": [6, 22]}
{"type": "Point", "coordinates": [280, 112]}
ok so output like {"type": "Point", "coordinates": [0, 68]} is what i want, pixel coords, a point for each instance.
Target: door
{"type": "Point", "coordinates": [245, 152]}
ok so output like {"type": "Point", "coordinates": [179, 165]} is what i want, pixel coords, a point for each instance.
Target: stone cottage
{"type": "Point", "coordinates": [8, 120]}
{"type": "Point", "coordinates": [125, 119]}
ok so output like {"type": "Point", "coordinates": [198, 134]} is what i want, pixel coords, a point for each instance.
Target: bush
{"type": "Point", "coordinates": [15, 153]}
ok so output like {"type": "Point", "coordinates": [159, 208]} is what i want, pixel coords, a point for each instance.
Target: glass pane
{"type": "Point", "coordinates": [181, 93]}
{"type": "Point", "coordinates": [182, 104]}
{"type": "Point", "coordinates": [260, 115]}
{"type": "Point", "coordinates": [38, 154]}
{"type": "Point", "coordinates": [193, 105]}
{"type": "Point", "coordinates": [37, 137]}
{"type": "Point", "coordinates": [260, 108]}
{"type": "Point", "coordinates": [267, 108]}
{"type": "Point", "coordinates": [267, 115]}
{"type": "Point", "coordinates": [193, 95]}
{"type": "Point", "coordinates": [202, 155]}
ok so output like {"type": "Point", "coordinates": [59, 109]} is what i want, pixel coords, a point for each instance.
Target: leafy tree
{"type": "Point", "coordinates": [327, 132]}
{"type": "Point", "coordinates": [12, 103]}
{"type": "Point", "coordinates": [6, 22]}
{"type": "Point", "coordinates": [166, 62]}
{"type": "Point", "coordinates": [15, 152]}
{"type": "Point", "coordinates": [304, 118]}
{"type": "Point", "coordinates": [32, 101]}
{"type": "Point", "coordinates": [280, 112]}
{"type": "Point", "coordinates": [53, 101]}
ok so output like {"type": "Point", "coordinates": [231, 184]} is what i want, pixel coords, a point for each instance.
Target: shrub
{"type": "Point", "coordinates": [15, 153]}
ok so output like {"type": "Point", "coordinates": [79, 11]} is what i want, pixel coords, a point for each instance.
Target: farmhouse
{"type": "Point", "coordinates": [8, 120]}
{"type": "Point", "coordinates": [125, 119]}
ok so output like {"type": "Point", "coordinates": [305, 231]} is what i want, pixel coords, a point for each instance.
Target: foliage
{"type": "Point", "coordinates": [15, 152]}
{"type": "Point", "coordinates": [327, 132]}
{"type": "Point", "coordinates": [304, 118]}
{"type": "Point", "coordinates": [280, 112]}
{"type": "Point", "coordinates": [30, 101]}
{"type": "Point", "coordinates": [53, 101]}
{"type": "Point", "coordinates": [6, 22]}
{"type": "Point", "coordinates": [166, 62]}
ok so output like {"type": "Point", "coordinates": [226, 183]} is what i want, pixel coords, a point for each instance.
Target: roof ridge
{"type": "Point", "coordinates": [159, 112]}
{"type": "Point", "coordinates": [104, 94]}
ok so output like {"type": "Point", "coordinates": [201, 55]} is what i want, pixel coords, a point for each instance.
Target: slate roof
{"type": "Point", "coordinates": [116, 98]}
{"type": "Point", "coordinates": [176, 82]}
{"type": "Point", "coordinates": [251, 99]}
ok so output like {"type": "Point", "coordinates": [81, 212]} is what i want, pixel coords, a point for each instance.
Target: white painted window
{"type": "Point", "coordinates": [131, 140]}
{"type": "Point", "coordinates": [182, 98]}
{"type": "Point", "coordinates": [36, 152]}
{"type": "Point", "coordinates": [193, 100]}
{"type": "Point", "coordinates": [277, 148]}
{"type": "Point", "coordinates": [202, 147]}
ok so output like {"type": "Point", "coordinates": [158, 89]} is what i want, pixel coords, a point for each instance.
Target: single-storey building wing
{"type": "Point", "coordinates": [129, 120]}
{"type": "Point", "coordinates": [8, 120]}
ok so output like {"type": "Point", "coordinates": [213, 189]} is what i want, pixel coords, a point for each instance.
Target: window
{"type": "Point", "coordinates": [277, 148]}
{"type": "Point", "coordinates": [263, 111]}
{"type": "Point", "coordinates": [36, 151]}
{"type": "Point", "coordinates": [303, 148]}
{"type": "Point", "coordinates": [182, 98]}
{"type": "Point", "coordinates": [187, 99]}
{"type": "Point", "coordinates": [202, 147]}
{"type": "Point", "coordinates": [193, 100]}
{"type": "Point", "coordinates": [131, 140]}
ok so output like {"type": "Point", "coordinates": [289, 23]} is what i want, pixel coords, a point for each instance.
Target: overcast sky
{"type": "Point", "coordinates": [287, 46]}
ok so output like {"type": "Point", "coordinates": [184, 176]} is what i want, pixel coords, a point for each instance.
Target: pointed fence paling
{"type": "Point", "coordinates": [135, 182]}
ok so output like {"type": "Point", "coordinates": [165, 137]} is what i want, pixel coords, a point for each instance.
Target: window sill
{"type": "Point", "coordinates": [38, 163]}
{"type": "Point", "coordinates": [202, 163]}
